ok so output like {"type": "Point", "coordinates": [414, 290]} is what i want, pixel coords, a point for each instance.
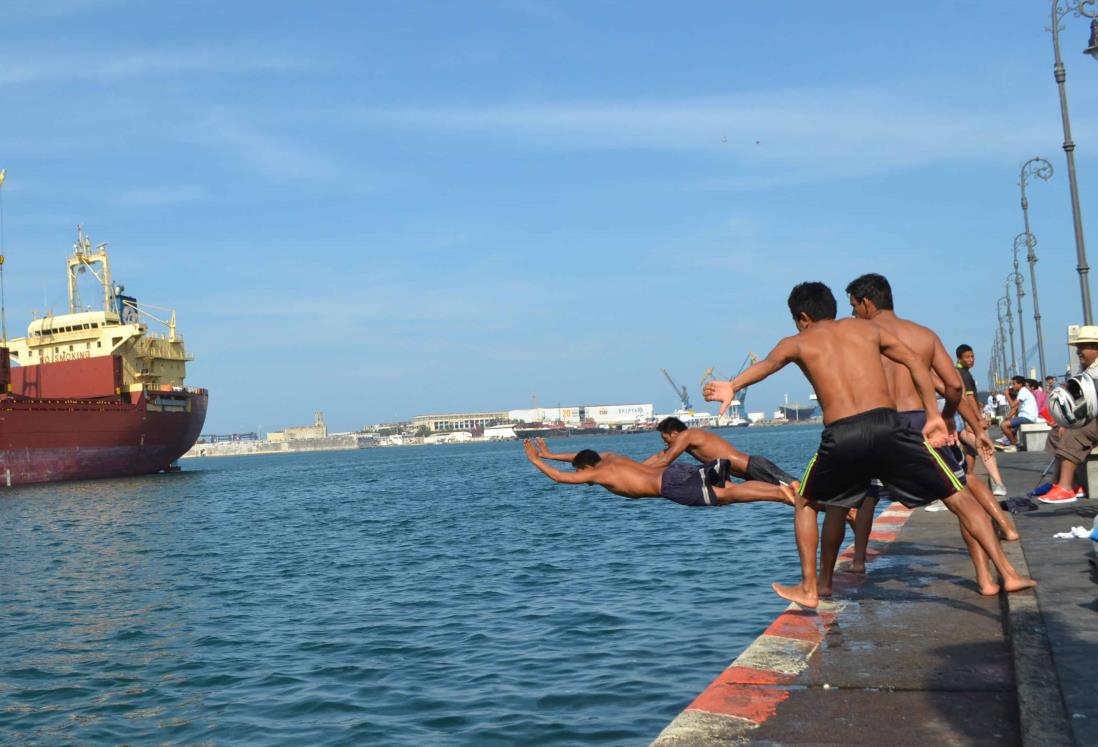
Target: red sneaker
{"type": "Point", "coordinates": [1058, 495]}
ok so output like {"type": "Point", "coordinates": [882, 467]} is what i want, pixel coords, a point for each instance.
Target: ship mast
{"type": "Point", "coordinates": [84, 258]}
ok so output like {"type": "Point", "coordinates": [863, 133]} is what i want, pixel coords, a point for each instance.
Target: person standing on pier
{"type": "Point", "coordinates": [864, 437]}
{"type": "Point", "coordinates": [966, 359]}
{"type": "Point", "coordinates": [870, 298]}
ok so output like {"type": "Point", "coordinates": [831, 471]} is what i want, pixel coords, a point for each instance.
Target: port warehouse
{"type": "Point", "coordinates": [603, 415]}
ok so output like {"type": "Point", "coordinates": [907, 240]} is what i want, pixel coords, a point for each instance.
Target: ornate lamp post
{"type": "Point", "coordinates": [1029, 241]}
{"type": "Point", "coordinates": [993, 364]}
{"type": "Point", "coordinates": [991, 368]}
{"type": "Point", "coordinates": [1004, 303]}
{"type": "Point", "coordinates": [1042, 169]}
{"type": "Point", "coordinates": [1088, 8]}
{"type": "Point", "coordinates": [1017, 278]}
{"type": "Point", "coordinates": [1008, 315]}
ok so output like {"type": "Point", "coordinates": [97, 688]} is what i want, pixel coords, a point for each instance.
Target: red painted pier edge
{"type": "Point", "coordinates": [749, 691]}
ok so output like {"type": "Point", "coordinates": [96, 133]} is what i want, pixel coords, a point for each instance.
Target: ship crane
{"type": "Point", "coordinates": [680, 392]}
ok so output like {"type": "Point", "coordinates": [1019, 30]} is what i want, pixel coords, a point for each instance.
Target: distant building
{"type": "Point", "coordinates": [574, 416]}
{"type": "Point", "coordinates": [297, 432]}
{"type": "Point", "coordinates": [616, 414]}
{"type": "Point", "coordinates": [544, 415]}
{"type": "Point", "coordinates": [458, 421]}
{"type": "Point", "coordinates": [216, 438]}
{"type": "Point", "coordinates": [389, 429]}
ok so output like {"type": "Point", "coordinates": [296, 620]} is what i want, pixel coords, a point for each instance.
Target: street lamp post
{"type": "Point", "coordinates": [991, 368]}
{"type": "Point", "coordinates": [1041, 169]}
{"type": "Point", "coordinates": [1017, 278]}
{"type": "Point", "coordinates": [1002, 301]}
{"type": "Point", "coordinates": [993, 364]}
{"type": "Point", "coordinates": [1029, 241]}
{"type": "Point", "coordinates": [1010, 327]}
{"type": "Point", "coordinates": [1088, 8]}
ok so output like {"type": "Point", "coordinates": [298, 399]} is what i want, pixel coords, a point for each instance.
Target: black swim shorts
{"type": "Point", "coordinates": [878, 444]}
{"type": "Point", "coordinates": [953, 456]}
{"type": "Point", "coordinates": [690, 484]}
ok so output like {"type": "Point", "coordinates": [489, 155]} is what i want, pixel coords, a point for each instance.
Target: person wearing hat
{"type": "Point", "coordinates": [1071, 446]}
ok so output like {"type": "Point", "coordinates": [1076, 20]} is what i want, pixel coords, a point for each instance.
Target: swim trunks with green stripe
{"type": "Point", "coordinates": [878, 444]}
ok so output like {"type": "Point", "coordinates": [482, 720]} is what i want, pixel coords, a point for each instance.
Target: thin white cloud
{"type": "Point", "coordinates": [38, 66]}
{"type": "Point", "coordinates": [279, 156]}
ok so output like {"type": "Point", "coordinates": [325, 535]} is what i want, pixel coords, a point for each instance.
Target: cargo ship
{"type": "Point", "coordinates": [92, 394]}
{"type": "Point", "coordinates": [797, 412]}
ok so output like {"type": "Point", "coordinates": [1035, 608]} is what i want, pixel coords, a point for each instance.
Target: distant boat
{"type": "Point", "coordinates": [797, 411]}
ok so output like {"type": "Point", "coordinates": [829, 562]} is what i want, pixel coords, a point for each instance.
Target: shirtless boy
{"type": "Point", "coordinates": [685, 484]}
{"type": "Point", "coordinates": [864, 437]}
{"type": "Point", "coordinates": [870, 298]}
{"type": "Point", "coordinates": [705, 446]}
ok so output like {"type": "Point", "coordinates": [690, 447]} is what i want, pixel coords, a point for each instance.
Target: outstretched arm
{"type": "Point", "coordinates": [672, 452]}
{"type": "Point", "coordinates": [546, 454]}
{"type": "Point", "coordinates": [568, 478]}
{"type": "Point", "coordinates": [895, 350]}
{"type": "Point", "coordinates": [723, 391]}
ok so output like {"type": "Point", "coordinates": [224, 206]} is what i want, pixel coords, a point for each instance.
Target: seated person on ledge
{"type": "Point", "coordinates": [1071, 446]}
{"type": "Point", "coordinates": [688, 485]}
{"type": "Point", "coordinates": [1022, 412]}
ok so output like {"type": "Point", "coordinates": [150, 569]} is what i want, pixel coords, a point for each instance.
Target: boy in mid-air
{"type": "Point", "coordinates": [685, 484]}
{"type": "Point", "coordinates": [706, 446]}
{"type": "Point", "coordinates": [864, 437]}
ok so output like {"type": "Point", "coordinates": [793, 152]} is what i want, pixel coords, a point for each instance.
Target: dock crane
{"type": "Point", "coordinates": [680, 392]}
{"type": "Point", "coordinates": [738, 405]}
{"type": "Point", "coordinates": [751, 360]}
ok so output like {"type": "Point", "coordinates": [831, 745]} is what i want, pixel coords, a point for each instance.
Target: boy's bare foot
{"type": "Point", "coordinates": [824, 592]}
{"type": "Point", "coordinates": [989, 589]}
{"type": "Point", "coordinates": [1009, 535]}
{"type": "Point", "coordinates": [798, 594]}
{"type": "Point", "coordinates": [789, 496]}
{"type": "Point", "coordinates": [856, 566]}
{"type": "Point", "coordinates": [1018, 583]}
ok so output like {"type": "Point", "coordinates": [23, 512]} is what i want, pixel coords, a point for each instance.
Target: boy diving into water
{"type": "Point", "coordinates": [688, 485]}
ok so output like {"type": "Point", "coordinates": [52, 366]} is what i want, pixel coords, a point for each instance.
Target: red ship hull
{"type": "Point", "coordinates": [49, 440]}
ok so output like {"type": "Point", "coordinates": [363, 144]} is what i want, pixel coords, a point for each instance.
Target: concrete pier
{"type": "Point", "coordinates": [911, 654]}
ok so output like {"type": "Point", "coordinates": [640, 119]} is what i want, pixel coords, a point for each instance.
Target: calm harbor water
{"type": "Point", "coordinates": [443, 595]}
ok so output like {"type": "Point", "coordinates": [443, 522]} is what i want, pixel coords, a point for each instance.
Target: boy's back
{"type": "Point", "coordinates": [842, 360]}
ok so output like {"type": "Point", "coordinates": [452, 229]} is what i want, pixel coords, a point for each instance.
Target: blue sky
{"type": "Point", "coordinates": [385, 209]}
